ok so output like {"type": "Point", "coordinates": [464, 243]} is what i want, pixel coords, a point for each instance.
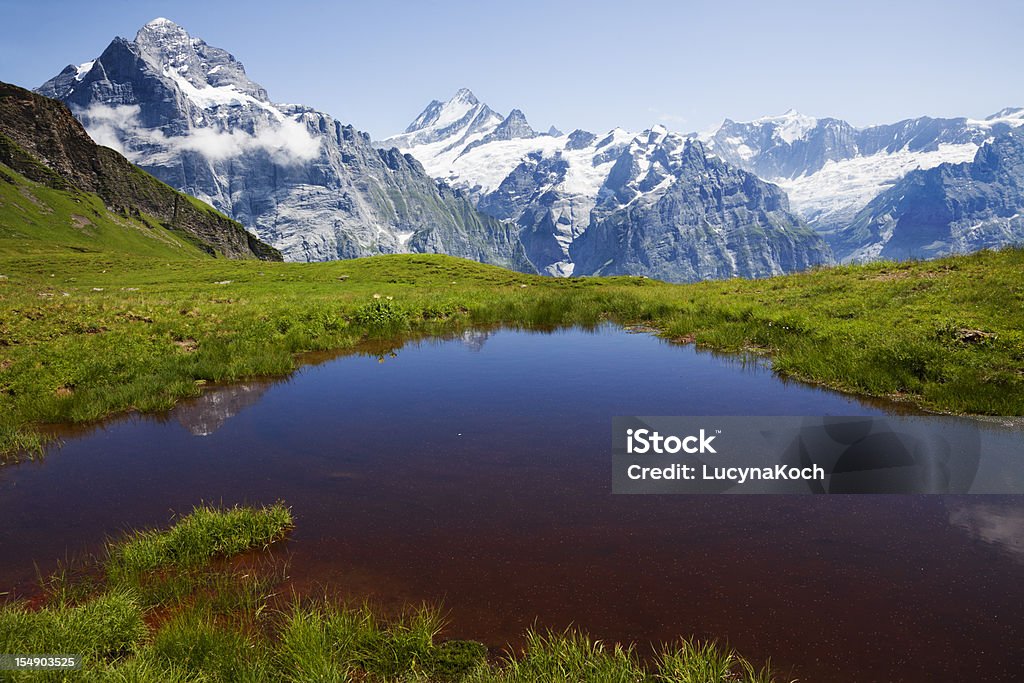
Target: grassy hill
{"type": "Point", "coordinates": [36, 219]}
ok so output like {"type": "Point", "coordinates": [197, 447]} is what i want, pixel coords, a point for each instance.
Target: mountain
{"type": "Point", "coordinates": [42, 142]}
{"type": "Point", "coordinates": [449, 122]}
{"type": "Point", "coordinates": [689, 216]}
{"type": "Point", "coordinates": [590, 204]}
{"type": "Point", "coordinates": [948, 209]}
{"type": "Point", "coordinates": [316, 189]}
{"type": "Point", "coordinates": [831, 170]}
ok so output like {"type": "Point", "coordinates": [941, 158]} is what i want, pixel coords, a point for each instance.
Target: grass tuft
{"type": "Point", "coordinates": [108, 626]}
{"type": "Point", "coordinates": [198, 537]}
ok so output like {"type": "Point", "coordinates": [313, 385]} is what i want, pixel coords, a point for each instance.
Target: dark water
{"type": "Point", "coordinates": [476, 472]}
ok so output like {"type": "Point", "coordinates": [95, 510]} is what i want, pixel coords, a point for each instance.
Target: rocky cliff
{"type": "Point", "coordinates": [693, 217]}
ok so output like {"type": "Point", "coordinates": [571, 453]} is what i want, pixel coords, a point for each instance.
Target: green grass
{"type": "Point", "coordinates": [37, 219]}
{"type": "Point", "coordinates": [105, 627]}
{"type": "Point", "coordinates": [228, 623]}
{"type": "Point", "coordinates": [201, 535]}
{"type": "Point", "coordinates": [92, 324]}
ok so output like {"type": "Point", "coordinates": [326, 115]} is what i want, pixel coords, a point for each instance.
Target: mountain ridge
{"type": "Point", "coordinates": [948, 209]}
{"type": "Point", "coordinates": [559, 188]}
{"type": "Point", "coordinates": [829, 169]}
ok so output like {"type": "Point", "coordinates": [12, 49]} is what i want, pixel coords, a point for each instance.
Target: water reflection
{"type": "Point", "coordinates": [474, 340]}
{"type": "Point", "coordinates": [999, 525]}
{"type": "Point", "coordinates": [208, 413]}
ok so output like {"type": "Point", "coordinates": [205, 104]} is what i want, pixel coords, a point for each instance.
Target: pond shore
{"type": "Point", "coordinates": [88, 335]}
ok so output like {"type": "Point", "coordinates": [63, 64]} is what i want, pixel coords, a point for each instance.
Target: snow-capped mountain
{"type": "Point", "coordinates": [948, 209]}
{"type": "Point", "coordinates": [558, 187]}
{"type": "Point", "coordinates": [317, 189]}
{"type": "Point", "coordinates": [831, 170]}
{"type": "Point", "coordinates": [566, 190]}
{"type": "Point", "coordinates": [671, 211]}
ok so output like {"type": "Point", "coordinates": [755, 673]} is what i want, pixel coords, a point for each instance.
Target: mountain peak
{"type": "Point", "coordinates": [513, 126]}
{"type": "Point", "coordinates": [789, 115]}
{"type": "Point", "coordinates": [164, 42]}
{"type": "Point", "coordinates": [790, 126]}
{"type": "Point", "coordinates": [161, 21]}
{"type": "Point", "coordinates": [463, 105]}
{"type": "Point", "coordinates": [464, 95]}
{"type": "Point", "coordinates": [160, 29]}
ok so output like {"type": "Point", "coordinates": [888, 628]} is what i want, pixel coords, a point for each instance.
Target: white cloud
{"type": "Point", "coordinates": [106, 124]}
{"type": "Point", "coordinates": [998, 525]}
{"type": "Point", "coordinates": [286, 141]}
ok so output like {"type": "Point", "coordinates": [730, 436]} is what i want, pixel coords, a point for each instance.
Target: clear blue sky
{"type": "Point", "coordinates": [592, 65]}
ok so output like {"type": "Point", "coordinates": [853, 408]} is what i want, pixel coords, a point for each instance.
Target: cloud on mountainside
{"type": "Point", "coordinates": [287, 141]}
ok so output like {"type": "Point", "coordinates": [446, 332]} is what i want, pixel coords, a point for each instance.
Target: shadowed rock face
{"type": "Point", "coordinates": [949, 209]}
{"type": "Point", "coordinates": [42, 140]}
{"type": "Point", "coordinates": [315, 188]}
{"type": "Point", "coordinates": [697, 218]}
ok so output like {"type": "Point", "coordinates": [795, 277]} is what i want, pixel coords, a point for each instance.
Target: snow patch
{"type": "Point", "coordinates": [789, 127]}
{"type": "Point", "coordinates": [1010, 117]}
{"type": "Point", "coordinates": [83, 69]}
{"type": "Point", "coordinates": [210, 96]}
{"type": "Point", "coordinates": [841, 188]}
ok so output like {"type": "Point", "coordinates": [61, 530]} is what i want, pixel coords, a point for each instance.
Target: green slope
{"type": "Point", "coordinates": [35, 218]}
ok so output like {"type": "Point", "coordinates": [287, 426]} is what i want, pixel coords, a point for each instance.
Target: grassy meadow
{"type": "Point", "coordinates": [204, 601]}
{"type": "Point", "coordinates": [101, 313]}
